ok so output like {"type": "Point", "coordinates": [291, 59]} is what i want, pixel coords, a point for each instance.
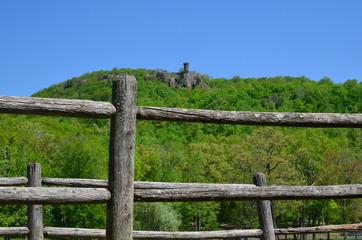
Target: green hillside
{"type": "Point", "coordinates": [191, 152]}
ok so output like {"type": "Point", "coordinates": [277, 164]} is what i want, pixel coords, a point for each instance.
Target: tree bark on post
{"type": "Point", "coordinates": [264, 210]}
{"type": "Point", "coordinates": [35, 212]}
{"type": "Point", "coordinates": [273, 216]}
{"type": "Point", "coordinates": [314, 220]}
{"type": "Point", "coordinates": [121, 160]}
{"type": "Point", "coordinates": [302, 220]}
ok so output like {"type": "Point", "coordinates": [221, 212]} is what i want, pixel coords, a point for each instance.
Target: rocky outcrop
{"type": "Point", "coordinates": [166, 77]}
{"type": "Point", "coordinates": [189, 79]}
{"type": "Point", "coordinates": [74, 82]}
{"type": "Point", "coordinates": [110, 76]}
{"type": "Point", "coordinates": [186, 78]}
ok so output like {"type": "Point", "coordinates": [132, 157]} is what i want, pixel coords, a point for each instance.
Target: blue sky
{"type": "Point", "coordinates": [47, 42]}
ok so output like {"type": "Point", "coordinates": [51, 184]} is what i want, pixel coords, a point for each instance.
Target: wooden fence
{"type": "Point", "coordinates": [120, 191]}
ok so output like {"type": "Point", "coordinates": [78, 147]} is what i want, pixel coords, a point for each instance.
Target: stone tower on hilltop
{"type": "Point", "coordinates": [186, 67]}
{"type": "Point", "coordinates": [185, 78]}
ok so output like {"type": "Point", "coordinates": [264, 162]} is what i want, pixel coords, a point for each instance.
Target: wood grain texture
{"type": "Point", "coordinates": [337, 120]}
{"type": "Point", "coordinates": [93, 109]}
{"type": "Point", "coordinates": [56, 107]}
{"type": "Point", "coordinates": [165, 191]}
{"type": "Point", "coordinates": [121, 160]}
{"type": "Point", "coordinates": [35, 212]}
{"type": "Point", "coordinates": [57, 232]}
{"type": "Point", "coordinates": [321, 229]}
{"type": "Point", "coordinates": [100, 183]}
{"type": "Point", "coordinates": [13, 181]}
{"type": "Point", "coordinates": [40, 195]}
{"type": "Point", "coordinates": [172, 185]}
{"type": "Point", "coordinates": [246, 193]}
{"type": "Point", "coordinates": [225, 234]}
{"type": "Point", "coordinates": [101, 233]}
{"type": "Point", "coordinates": [264, 210]}
{"type": "Point", "coordinates": [75, 182]}
{"type": "Point", "coordinates": [14, 231]}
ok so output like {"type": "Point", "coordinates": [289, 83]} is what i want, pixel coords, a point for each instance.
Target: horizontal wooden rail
{"type": "Point", "coordinates": [169, 192]}
{"type": "Point", "coordinates": [94, 109]}
{"type": "Point", "coordinates": [75, 182]}
{"type": "Point", "coordinates": [101, 233]}
{"type": "Point", "coordinates": [14, 181]}
{"type": "Point", "coordinates": [14, 231]}
{"type": "Point", "coordinates": [98, 183]}
{"type": "Point", "coordinates": [198, 234]}
{"type": "Point", "coordinates": [57, 232]}
{"type": "Point", "coordinates": [183, 192]}
{"type": "Point", "coordinates": [172, 185]}
{"type": "Point", "coordinates": [40, 195]}
{"type": "Point", "coordinates": [56, 107]}
{"type": "Point", "coordinates": [320, 229]}
{"type": "Point", "coordinates": [337, 120]}
{"type": "Point", "coordinates": [243, 193]}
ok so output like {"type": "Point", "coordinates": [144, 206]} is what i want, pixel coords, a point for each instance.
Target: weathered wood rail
{"type": "Point", "coordinates": [251, 118]}
{"type": "Point", "coordinates": [16, 181]}
{"type": "Point", "coordinates": [94, 109]}
{"type": "Point", "coordinates": [101, 233]}
{"type": "Point", "coordinates": [37, 195]}
{"type": "Point", "coordinates": [14, 231]}
{"type": "Point", "coordinates": [120, 191]}
{"type": "Point", "coordinates": [249, 193]}
{"type": "Point", "coordinates": [320, 229]}
{"type": "Point", "coordinates": [182, 192]}
{"type": "Point", "coordinates": [56, 107]}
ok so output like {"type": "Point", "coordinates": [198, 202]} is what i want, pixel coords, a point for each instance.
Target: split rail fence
{"type": "Point", "coordinates": [120, 190]}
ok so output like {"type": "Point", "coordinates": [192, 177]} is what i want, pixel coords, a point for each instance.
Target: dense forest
{"type": "Point", "coordinates": [192, 152]}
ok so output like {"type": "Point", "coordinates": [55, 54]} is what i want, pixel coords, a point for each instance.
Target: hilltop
{"type": "Point", "coordinates": [193, 90]}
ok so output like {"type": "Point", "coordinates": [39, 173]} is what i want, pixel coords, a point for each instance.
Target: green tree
{"type": "Point", "coordinates": [267, 150]}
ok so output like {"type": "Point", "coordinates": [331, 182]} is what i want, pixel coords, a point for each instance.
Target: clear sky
{"type": "Point", "coordinates": [46, 42]}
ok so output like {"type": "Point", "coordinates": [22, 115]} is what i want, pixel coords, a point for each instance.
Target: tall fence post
{"type": "Point", "coordinates": [35, 212]}
{"type": "Point", "coordinates": [121, 160]}
{"type": "Point", "coordinates": [264, 210]}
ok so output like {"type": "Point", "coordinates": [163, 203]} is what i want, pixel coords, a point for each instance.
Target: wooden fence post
{"type": "Point", "coordinates": [121, 159]}
{"type": "Point", "coordinates": [35, 212]}
{"type": "Point", "coordinates": [264, 210]}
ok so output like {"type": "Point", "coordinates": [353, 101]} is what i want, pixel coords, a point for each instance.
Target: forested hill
{"type": "Point", "coordinates": [294, 94]}
{"type": "Point", "coordinates": [192, 152]}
